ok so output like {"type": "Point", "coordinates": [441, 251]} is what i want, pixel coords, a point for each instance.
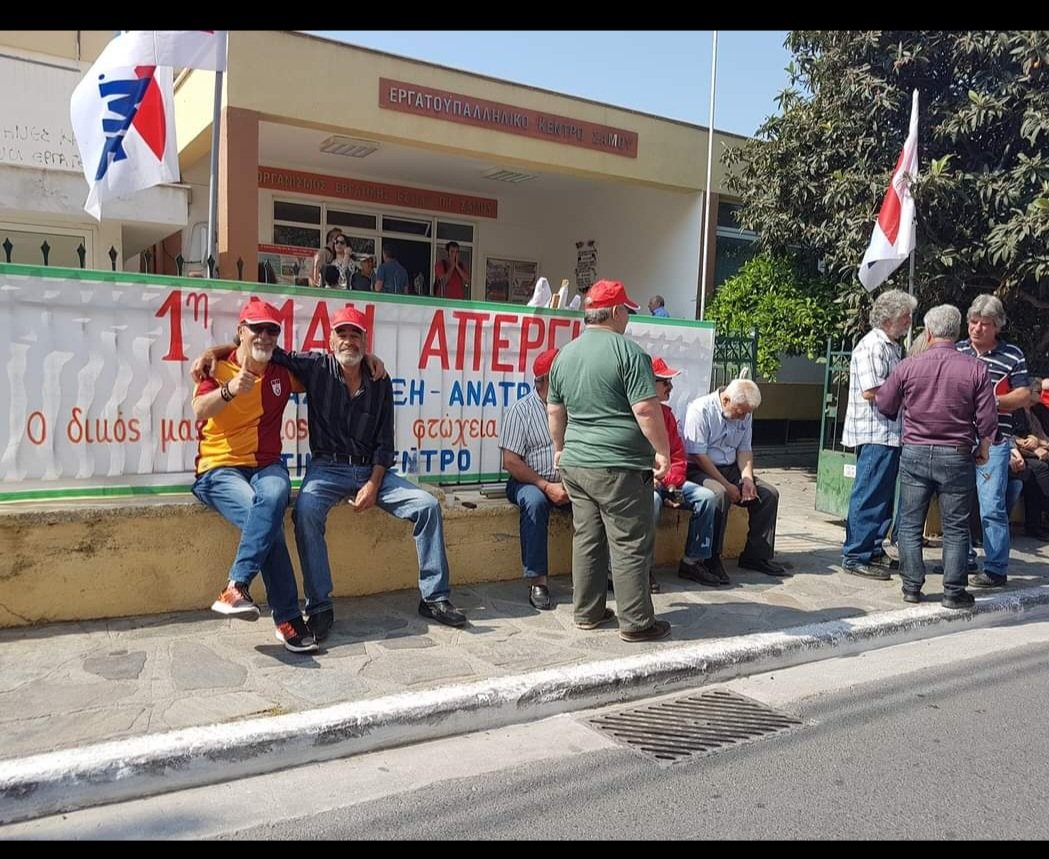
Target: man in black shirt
{"type": "Point", "coordinates": [351, 441]}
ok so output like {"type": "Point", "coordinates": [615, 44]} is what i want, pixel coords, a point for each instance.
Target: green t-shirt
{"type": "Point", "coordinates": [598, 377]}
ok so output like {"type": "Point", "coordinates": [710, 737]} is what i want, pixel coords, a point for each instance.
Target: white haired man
{"type": "Point", "coordinates": [875, 437]}
{"type": "Point", "coordinates": [1007, 368]}
{"type": "Point", "coordinates": [717, 431]}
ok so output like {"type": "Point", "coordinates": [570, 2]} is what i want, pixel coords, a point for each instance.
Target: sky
{"type": "Point", "coordinates": [660, 72]}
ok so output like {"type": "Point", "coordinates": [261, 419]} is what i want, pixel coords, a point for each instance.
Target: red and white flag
{"type": "Point", "coordinates": [123, 117]}
{"type": "Point", "coordinates": [893, 238]}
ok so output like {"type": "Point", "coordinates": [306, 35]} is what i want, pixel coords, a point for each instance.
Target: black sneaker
{"type": "Point", "coordinates": [295, 636]}
{"type": "Point", "coordinates": [443, 612]}
{"type": "Point", "coordinates": [988, 580]}
{"type": "Point", "coordinates": [235, 601]}
{"type": "Point", "coordinates": [962, 600]}
{"type": "Point", "coordinates": [319, 624]}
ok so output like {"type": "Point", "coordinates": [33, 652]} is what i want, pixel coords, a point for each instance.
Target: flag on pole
{"type": "Point", "coordinates": [190, 49]}
{"type": "Point", "coordinates": [893, 237]}
{"type": "Point", "coordinates": [123, 119]}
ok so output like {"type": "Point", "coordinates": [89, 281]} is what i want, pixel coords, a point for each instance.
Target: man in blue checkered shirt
{"type": "Point", "coordinates": [875, 437]}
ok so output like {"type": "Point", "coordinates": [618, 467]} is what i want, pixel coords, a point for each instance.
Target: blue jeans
{"type": "Point", "coordinates": [926, 470]}
{"type": "Point", "coordinates": [701, 502]}
{"type": "Point", "coordinates": [535, 517]}
{"type": "Point", "coordinates": [254, 499]}
{"type": "Point", "coordinates": [992, 480]}
{"type": "Point", "coordinates": [324, 486]}
{"type": "Point", "coordinates": [870, 505]}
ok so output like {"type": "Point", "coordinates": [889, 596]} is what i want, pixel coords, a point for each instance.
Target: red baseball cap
{"type": "Point", "coordinates": [257, 310]}
{"type": "Point", "coordinates": [608, 293]}
{"type": "Point", "coordinates": [350, 316]}
{"type": "Point", "coordinates": [544, 362]}
{"type": "Point", "coordinates": [662, 370]}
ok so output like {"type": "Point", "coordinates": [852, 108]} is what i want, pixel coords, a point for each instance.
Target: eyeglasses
{"type": "Point", "coordinates": [263, 328]}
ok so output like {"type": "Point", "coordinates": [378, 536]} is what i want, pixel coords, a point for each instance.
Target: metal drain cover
{"type": "Point", "coordinates": [677, 730]}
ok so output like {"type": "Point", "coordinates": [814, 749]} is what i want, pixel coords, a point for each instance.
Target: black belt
{"type": "Point", "coordinates": [343, 457]}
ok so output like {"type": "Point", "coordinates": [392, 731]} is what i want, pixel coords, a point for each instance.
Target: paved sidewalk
{"type": "Point", "coordinates": [68, 685]}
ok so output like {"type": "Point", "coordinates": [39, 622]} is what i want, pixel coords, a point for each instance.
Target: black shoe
{"type": "Point", "coordinates": [659, 629]}
{"type": "Point", "coordinates": [912, 596]}
{"type": "Point", "coordinates": [294, 636]}
{"type": "Point", "coordinates": [987, 580]}
{"type": "Point", "coordinates": [884, 561]}
{"type": "Point", "coordinates": [769, 568]}
{"type": "Point", "coordinates": [443, 612]}
{"type": "Point", "coordinates": [713, 565]}
{"type": "Point", "coordinates": [698, 573]}
{"type": "Point", "coordinates": [962, 600]}
{"type": "Point", "coordinates": [539, 597]}
{"type": "Point", "coordinates": [867, 572]}
{"type": "Point", "coordinates": [653, 584]}
{"type": "Point", "coordinates": [971, 567]}
{"type": "Point", "coordinates": [319, 624]}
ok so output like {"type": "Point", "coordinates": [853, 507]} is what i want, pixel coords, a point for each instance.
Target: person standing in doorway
{"type": "Point", "coordinates": [452, 278]}
{"type": "Point", "coordinates": [391, 276]}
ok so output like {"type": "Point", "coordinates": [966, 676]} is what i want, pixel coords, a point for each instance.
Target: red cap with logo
{"type": "Point", "coordinates": [608, 293]}
{"type": "Point", "coordinates": [257, 310]}
{"type": "Point", "coordinates": [662, 370]}
{"type": "Point", "coordinates": [544, 362]}
{"type": "Point", "coordinates": [350, 316]}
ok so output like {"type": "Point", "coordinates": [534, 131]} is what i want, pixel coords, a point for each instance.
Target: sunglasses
{"type": "Point", "coordinates": [263, 328]}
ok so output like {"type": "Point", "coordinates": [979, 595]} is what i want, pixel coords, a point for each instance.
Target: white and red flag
{"type": "Point", "coordinates": [123, 116]}
{"type": "Point", "coordinates": [893, 237]}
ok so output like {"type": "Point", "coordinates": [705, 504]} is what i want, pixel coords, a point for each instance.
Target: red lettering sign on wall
{"type": "Point", "coordinates": [377, 192]}
{"type": "Point", "coordinates": [538, 124]}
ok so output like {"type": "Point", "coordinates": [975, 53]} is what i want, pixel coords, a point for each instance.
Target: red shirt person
{"type": "Point", "coordinates": [452, 278]}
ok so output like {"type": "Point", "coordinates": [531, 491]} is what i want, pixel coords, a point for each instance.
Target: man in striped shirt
{"type": "Point", "coordinates": [875, 437]}
{"type": "Point", "coordinates": [1007, 369]}
{"type": "Point", "coordinates": [240, 472]}
{"type": "Point", "coordinates": [534, 485]}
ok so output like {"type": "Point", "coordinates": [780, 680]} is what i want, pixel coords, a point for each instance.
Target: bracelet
{"type": "Point", "coordinates": [225, 392]}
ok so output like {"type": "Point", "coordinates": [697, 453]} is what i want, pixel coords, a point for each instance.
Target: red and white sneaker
{"type": "Point", "coordinates": [235, 601]}
{"type": "Point", "coordinates": [295, 636]}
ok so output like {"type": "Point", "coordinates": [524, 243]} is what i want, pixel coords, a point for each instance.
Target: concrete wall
{"type": "Point", "coordinates": [93, 562]}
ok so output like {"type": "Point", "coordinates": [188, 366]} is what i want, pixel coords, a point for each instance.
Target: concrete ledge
{"type": "Point", "coordinates": [90, 562]}
{"type": "Point", "coordinates": [110, 772]}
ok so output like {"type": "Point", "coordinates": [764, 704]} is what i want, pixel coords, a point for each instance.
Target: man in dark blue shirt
{"type": "Point", "coordinates": [351, 442]}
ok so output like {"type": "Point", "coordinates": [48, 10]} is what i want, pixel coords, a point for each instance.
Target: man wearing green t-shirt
{"type": "Point", "coordinates": [610, 442]}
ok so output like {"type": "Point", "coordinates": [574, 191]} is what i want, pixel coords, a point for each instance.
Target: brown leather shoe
{"type": "Point", "coordinates": [659, 629]}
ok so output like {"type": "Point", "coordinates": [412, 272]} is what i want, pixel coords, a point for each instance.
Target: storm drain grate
{"type": "Point", "coordinates": [677, 730]}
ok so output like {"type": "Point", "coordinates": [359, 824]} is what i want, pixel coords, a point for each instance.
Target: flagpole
{"type": "Point", "coordinates": [706, 193]}
{"type": "Point", "coordinates": [213, 191]}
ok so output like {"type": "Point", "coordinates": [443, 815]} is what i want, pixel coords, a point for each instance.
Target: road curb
{"type": "Point", "coordinates": [59, 781]}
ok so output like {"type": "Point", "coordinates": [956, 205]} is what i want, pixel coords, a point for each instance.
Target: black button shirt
{"type": "Point", "coordinates": [361, 425]}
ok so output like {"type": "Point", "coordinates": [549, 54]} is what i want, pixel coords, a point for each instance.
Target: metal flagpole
{"type": "Point", "coordinates": [706, 193]}
{"type": "Point", "coordinates": [213, 195]}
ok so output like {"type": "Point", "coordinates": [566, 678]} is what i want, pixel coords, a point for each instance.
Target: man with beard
{"type": "Point", "coordinates": [240, 472]}
{"type": "Point", "coordinates": [351, 441]}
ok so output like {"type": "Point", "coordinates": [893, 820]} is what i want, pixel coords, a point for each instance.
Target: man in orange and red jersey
{"type": "Point", "coordinates": [240, 472]}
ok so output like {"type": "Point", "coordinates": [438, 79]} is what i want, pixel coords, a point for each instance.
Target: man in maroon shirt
{"type": "Point", "coordinates": [948, 410]}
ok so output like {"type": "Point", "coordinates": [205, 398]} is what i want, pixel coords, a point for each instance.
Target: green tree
{"type": "Point", "coordinates": [793, 312]}
{"type": "Point", "coordinates": [814, 177]}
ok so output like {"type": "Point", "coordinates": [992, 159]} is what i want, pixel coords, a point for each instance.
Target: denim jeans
{"type": "Point", "coordinates": [871, 502]}
{"type": "Point", "coordinates": [926, 470]}
{"type": "Point", "coordinates": [701, 502]}
{"type": "Point", "coordinates": [535, 517]}
{"type": "Point", "coordinates": [254, 499]}
{"type": "Point", "coordinates": [992, 480]}
{"type": "Point", "coordinates": [324, 486]}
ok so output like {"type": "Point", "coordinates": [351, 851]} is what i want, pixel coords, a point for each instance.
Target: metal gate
{"type": "Point", "coordinates": [837, 466]}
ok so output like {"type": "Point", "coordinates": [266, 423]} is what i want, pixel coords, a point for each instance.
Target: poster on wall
{"type": "Point", "coordinates": [97, 383]}
{"type": "Point", "coordinates": [586, 264]}
{"type": "Point", "coordinates": [510, 280]}
{"type": "Point", "coordinates": [285, 264]}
